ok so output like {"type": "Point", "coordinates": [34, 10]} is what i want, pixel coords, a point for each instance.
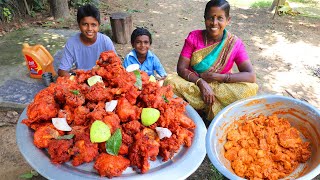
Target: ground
{"type": "Point", "coordinates": [284, 52]}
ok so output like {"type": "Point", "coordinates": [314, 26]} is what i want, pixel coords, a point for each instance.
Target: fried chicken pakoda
{"type": "Point", "coordinates": [80, 104]}
{"type": "Point", "coordinates": [265, 148]}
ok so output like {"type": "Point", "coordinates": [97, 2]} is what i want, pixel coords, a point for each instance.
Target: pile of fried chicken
{"type": "Point", "coordinates": [265, 147]}
{"type": "Point", "coordinates": [72, 98]}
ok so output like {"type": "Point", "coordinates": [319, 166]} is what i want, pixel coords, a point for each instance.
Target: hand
{"type": "Point", "coordinates": [207, 93]}
{"type": "Point", "coordinates": [210, 76]}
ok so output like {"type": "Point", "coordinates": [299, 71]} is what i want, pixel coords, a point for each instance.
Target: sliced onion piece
{"type": "Point", "coordinates": [132, 67]}
{"type": "Point", "coordinates": [61, 124]}
{"type": "Point", "coordinates": [111, 105]}
{"type": "Point", "coordinates": [163, 132]}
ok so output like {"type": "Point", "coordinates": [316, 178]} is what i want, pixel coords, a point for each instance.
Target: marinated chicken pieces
{"type": "Point", "coordinates": [81, 105]}
{"type": "Point", "coordinates": [265, 148]}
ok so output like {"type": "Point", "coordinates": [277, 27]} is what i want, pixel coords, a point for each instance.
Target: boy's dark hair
{"type": "Point", "coordinates": [139, 32]}
{"type": "Point", "coordinates": [223, 4]}
{"type": "Point", "coordinates": [88, 10]}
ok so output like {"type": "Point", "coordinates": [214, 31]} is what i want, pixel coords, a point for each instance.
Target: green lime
{"type": "Point", "coordinates": [94, 79]}
{"type": "Point", "coordinates": [149, 116]}
{"type": "Point", "coordinates": [99, 132]}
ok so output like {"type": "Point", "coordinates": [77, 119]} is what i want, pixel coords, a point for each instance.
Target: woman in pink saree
{"type": "Point", "coordinates": [204, 77]}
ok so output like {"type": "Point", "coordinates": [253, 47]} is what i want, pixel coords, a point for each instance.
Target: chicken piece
{"type": "Point", "coordinates": [112, 120]}
{"type": "Point", "coordinates": [124, 149]}
{"type": "Point", "coordinates": [233, 135]}
{"type": "Point", "coordinates": [231, 154]}
{"type": "Point", "coordinates": [303, 152]}
{"type": "Point", "coordinates": [98, 92]}
{"type": "Point", "coordinates": [42, 110]}
{"type": "Point", "coordinates": [132, 127]}
{"type": "Point", "coordinates": [169, 146]}
{"type": "Point", "coordinates": [80, 133]}
{"type": "Point", "coordinates": [186, 122]}
{"type": "Point", "coordinates": [67, 112]}
{"type": "Point", "coordinates": [290, 138]}
{"type": "Point", "coordinates": [185, 136]}
{"type": "Point", "coordinates": [80, 115]}
{"type": "Point", "coordinates": [82, 76]}
{"type": "Point", "coordinates": [74, 97]}
{"type": "Point", "coordinates": [132, 95]}
{"type": "Point", "coordinates": [126, 111]}
{"type": "Point", "coordinates": [141, 150]}
{"type": "Point", "coordinates": [111, 166]}
{"type": "Point", "coordinates": [98, 113]}
{"type": "Point", "coordinates": [84, 151]}
{"type": "Point", "coordinates": [59, 151]}
{"type": "Point", "coordinates": [126, 139]}
{"type": "Point", "coordinates": [239, 167]}
{"type": "Point", "coordinates": [43, 135]}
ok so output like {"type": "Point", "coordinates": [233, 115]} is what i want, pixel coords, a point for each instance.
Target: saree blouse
{"type": "Point", "coordinates": [195, 42]}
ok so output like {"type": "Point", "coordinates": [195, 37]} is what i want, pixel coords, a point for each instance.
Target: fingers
{"type": "Point", "coordinates": [208, 97]}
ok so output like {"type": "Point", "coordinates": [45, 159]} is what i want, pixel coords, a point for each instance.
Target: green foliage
{"type": "Point", "coordinates": [114, 143]}
{"type": "Point", "coordinates": [286, 9]}
{"type": "Point", "coordinates": [29, 175]}
{"type": "Point", "coordinates": [7, 14]}
{"type": "Point", "coordinates": [261, 4]}
{"type": "Point", "coordinates": [6, 10]}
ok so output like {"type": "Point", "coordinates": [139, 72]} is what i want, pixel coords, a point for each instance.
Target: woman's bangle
{"type": "Point", "coordinates": [198, 81]}
{"type": "Point", "coordinates": [189, 75]}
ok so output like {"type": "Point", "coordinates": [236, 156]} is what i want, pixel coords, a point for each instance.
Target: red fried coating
{"type": "Point", "coordinates": [80, 115]}
{"type": "Point", "coordinates": [126, 111]}
{"type": "Point", "coordinates": [169, 146]}
{"type": "Point", "coordinates": [142, 149]}
{"type": "Point", "coordinates": [112, 120]}
{"type": "Point", "coordinates": [98, 113]}
{"type": "Point", "coordinates": [84, 151]}
{"type": "Point", "coordinates": [42, 108]}
{"type": "Point", "coordinates": [132, 127]}
{"type": "Point", "coordinates": [43, 135]}
{"type": "Point", "coordinates": [59, 150]}
{"type": "Point", "coordinates": [111, 166]}
{"type": "Point", "coordinates": [98, 92]}
{"type": "Point", "coordinates": [67, 112]}
{"type": "Point", "coordinates": [81, 105]}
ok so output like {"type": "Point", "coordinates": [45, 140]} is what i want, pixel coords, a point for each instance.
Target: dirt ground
{"type": "Point", "coordinates": [284, 52]}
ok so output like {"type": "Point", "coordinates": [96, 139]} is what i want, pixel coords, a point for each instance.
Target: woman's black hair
{"type": "Point", "coordinates": [223, 4]}
{"type": "Point", "coordinates": [139, 32]}
{"type": "Point", "coordinates": [88, 10]}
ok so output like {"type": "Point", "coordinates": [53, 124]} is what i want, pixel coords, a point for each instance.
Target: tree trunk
{"type": "Point", "coordinates": [21, 8]}
{"type": "Point", "coordinates": [59, 9]}
{"type": "Point", "coordinates": [275, 3]}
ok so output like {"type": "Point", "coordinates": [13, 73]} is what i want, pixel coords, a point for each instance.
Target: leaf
{"type": "Point", "coordinates": [69, 136]}
{"type": "Point", "coordinates": [29, 175]}
{"type": "Point", "coordinates": [165, 99]}
{"type": "Point", "coordinates": [138, 83]}
{"type": "Point", "coordinates": [26, 176]}
{"type": "Point", "coordinates": [75, 92]}
{"type": "Point", "coordinates": [114, 143]}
